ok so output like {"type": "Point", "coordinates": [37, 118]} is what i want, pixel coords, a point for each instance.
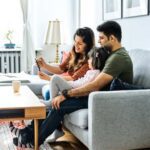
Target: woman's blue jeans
{"type": "Point", "coordinates": [55, 117]}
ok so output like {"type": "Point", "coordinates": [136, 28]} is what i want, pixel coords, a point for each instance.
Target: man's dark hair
{"type": "Point", "coordinates": [111, 28]}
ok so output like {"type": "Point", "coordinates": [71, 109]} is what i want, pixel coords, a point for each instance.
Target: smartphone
{"type": "Point", "coordinates": [37, 64]}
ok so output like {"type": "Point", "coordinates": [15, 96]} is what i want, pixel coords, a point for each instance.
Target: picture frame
{"type": "Point", "coordinates": [111, 9]}
{"type": "Point", "coordinates": [132, 8]}
{"type": "Point", "coordinates": [149, 7]}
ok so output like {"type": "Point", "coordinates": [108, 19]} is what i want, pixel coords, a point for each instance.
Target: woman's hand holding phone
{"type": "Point", "coordinates": [44, 76]}
{"type": "Point", "coordinates": [37, 64]}
{"type": "Point", "coordinates": [41, 63]}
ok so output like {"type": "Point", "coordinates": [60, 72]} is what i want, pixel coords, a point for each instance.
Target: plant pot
{"type": "Point", "coordinates": [9, 45]}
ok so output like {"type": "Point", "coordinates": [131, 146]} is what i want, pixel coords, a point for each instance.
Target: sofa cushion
{"type": "Point", "coordinates": [79, 118]}
{"type": "Point", "coordinates": [141, 68]}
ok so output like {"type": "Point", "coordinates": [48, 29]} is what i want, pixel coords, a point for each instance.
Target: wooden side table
{"type": "Point", "coordinates": [24, 105]}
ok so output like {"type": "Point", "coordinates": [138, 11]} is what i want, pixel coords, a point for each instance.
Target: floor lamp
{"type": "Point", "coordinates": [53, 36]}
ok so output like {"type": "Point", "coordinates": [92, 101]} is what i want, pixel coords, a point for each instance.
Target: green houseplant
{"type": "Point", "coordinates": [9, 38]}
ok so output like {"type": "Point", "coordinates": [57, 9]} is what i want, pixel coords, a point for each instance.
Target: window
{"type": "Point", "coordinates": [11, 19]}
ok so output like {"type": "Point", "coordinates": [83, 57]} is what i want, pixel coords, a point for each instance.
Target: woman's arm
{"type": "Point", "coordinates": [48, 67]}
{"type": "Point", "coordinates": [44, 76]}
{"type": "Point", "coordinates": [54, 69]}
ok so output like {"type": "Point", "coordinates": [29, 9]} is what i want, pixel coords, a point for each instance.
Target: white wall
{"type": "Point", "coordinates": [91, 15]}
{"type": "Point", "coordinates": [45, 10]}
{"type": "Point", "coordinates": [136, 30]}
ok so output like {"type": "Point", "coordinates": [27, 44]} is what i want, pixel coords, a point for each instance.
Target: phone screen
{"type": "Point", "coordinates": [37, 64]}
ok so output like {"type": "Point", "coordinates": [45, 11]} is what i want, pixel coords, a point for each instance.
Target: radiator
{"type": "Point", "coordinates": [10, 61]}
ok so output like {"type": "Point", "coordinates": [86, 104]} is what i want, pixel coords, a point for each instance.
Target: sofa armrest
{"type": "Point", "coordinates": [34, 70]}
{"type": "Point", "coordinates": [119, 120]}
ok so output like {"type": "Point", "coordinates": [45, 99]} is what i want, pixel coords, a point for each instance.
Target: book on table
{"type": "Point", "coordinates": [9, 77]}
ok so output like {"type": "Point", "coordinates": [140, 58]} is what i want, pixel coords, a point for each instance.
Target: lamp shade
{"type": "Point", "coordinates": [47, 33]}
{"type": "Point", "coordinates": [53, 35]}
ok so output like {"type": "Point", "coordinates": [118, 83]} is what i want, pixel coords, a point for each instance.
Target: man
{"type": "Point", "coordinates": [118, 64]}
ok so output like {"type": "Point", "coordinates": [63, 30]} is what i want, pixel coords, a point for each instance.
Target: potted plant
{"type": "Point", "coordinates": [9, 38]}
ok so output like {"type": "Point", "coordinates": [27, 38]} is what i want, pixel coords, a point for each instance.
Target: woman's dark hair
{"type": "Point", "coordinates": [111, 28]}
{"type": "Point", "coordinates": [99, 57]}
{"type": "Point", "coordinates": [78, 59]}
{"type": "Point", "coordinates": [87, 35]}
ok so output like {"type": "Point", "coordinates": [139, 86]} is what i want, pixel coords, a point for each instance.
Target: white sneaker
{"type": "Point", "coordinates": [54, 136]}
{"type": "Point", "coordinates": [45, 146]}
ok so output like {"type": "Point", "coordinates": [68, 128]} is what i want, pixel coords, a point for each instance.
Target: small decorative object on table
{"type": "Point", "coordinates": [9, 38]}
{"type": "Point", "coordinates": [16, 86]}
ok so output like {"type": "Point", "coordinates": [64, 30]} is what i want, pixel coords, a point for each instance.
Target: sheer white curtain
{"type": "Point", "coordinates": [28, 50]}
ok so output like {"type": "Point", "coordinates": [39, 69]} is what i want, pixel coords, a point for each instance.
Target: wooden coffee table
{"type": "Point", "coordinates": [24, 105]}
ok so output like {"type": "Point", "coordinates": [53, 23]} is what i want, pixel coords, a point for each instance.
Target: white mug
{"type": "Point", "coordinates": [16, 86]}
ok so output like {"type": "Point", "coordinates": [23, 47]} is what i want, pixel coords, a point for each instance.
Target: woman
{"type": "Point", "coordinates": [76, 65]}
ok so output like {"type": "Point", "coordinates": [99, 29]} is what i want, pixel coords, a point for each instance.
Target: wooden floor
{"type": "Point", "coordinates": [68, 142]}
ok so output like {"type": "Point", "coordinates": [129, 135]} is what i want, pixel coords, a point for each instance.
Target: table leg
{"type": "Point", "coordinates": [36, 134]}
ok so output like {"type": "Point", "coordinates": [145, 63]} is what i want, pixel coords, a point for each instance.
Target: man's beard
{"type": "Point", "coordinates": [108, 47]}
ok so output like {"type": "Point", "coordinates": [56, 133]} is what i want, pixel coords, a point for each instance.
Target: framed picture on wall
{"type": "Point", "coordinates": [135, 8]}
{"type": "Point", "coordinates": [111, 9]}
{"type": "Point", "coordinates": [149, 6]}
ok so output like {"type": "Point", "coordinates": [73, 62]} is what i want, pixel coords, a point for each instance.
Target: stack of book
{"type": "Point", "coordinates": [9, 77]}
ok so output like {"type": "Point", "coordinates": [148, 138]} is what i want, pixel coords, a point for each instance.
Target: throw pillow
{"type": "Point", "coordinates": [45, 92]}
{"type": "Point", "coordinates": [118, 84]}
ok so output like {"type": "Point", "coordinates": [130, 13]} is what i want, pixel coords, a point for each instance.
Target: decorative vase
{"type": "Point", "coordinates": [9, 45]}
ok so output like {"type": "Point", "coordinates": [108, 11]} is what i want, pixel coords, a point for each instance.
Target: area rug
{"type": "Point", "coordinates": [6, 141]}
{"type": "Point", "coordinates": [6, 137]}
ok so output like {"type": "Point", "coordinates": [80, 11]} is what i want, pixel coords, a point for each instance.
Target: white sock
{"type": "Point", "coordinates": [54, 136]}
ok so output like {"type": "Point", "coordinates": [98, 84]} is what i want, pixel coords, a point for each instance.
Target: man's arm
{"type": "Point", "coordinates": [101, 81]}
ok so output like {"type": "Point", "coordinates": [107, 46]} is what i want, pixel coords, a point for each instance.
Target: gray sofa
{"type": "Point", "coordinates": [117, 120]}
